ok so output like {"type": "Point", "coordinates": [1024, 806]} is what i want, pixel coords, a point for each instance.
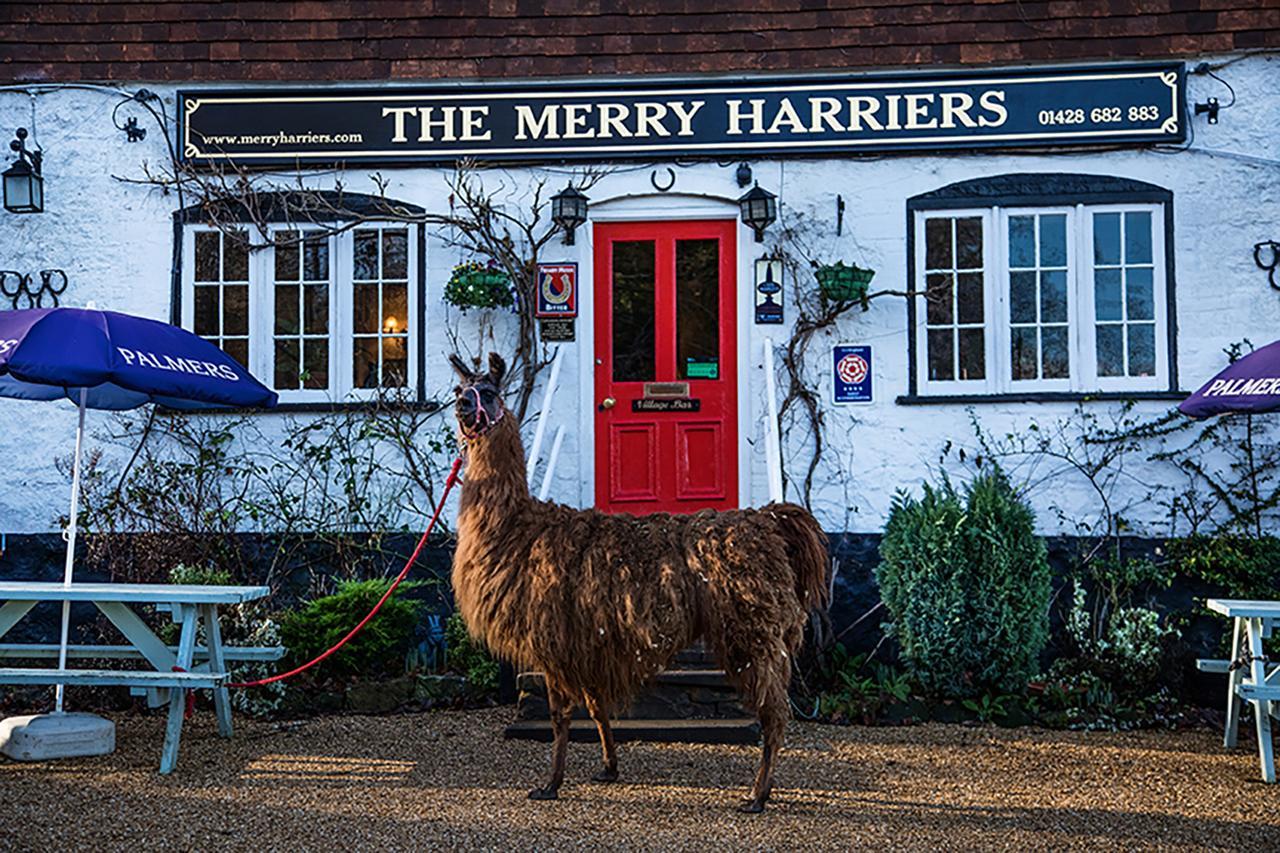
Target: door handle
{"type": "Point", "coordinates": [607, 403]}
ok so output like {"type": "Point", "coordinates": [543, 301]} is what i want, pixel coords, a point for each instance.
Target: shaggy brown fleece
{"type": "Point", "coordinates": [601, 603]}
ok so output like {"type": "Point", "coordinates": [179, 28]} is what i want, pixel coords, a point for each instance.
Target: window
{"type": "Point", "coordinates": [320, 314]}
{"type": "Point", "coordinates": [1041, 292]}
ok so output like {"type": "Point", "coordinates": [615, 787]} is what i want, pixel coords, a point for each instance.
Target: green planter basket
{"type": "Point", "coordinates": [844, 284]}
{"type": "Point", "coordinates": [474, 286]}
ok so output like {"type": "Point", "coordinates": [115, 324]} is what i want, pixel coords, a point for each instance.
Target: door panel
{"type": "Point", "coordinates": [665, 312]}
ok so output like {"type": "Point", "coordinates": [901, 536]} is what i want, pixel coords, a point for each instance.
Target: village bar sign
{"type": "Point", "coordinates": [1139, 104]}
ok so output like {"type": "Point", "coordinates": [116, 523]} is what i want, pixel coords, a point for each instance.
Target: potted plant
{"type": "Point", "coordinates": [842, 283]}
{"type": "Point", "coordinates": [476, 285]}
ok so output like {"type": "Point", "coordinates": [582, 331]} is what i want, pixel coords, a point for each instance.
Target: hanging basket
{"type": "Point", "coordinates": [474, 286]}
{"type": "Point", "coordinates": [841, 283]}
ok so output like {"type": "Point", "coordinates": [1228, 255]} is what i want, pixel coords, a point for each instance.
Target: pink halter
{"type": "Point", "coordinates": [487, 424]}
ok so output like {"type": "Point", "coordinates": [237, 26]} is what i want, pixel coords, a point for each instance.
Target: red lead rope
{"type": "Point", "coordinates": [448, 485]}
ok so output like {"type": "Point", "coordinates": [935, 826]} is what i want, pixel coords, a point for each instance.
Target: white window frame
{"type": "Point", "coordinates": [341, 304]}
{"type": "Point", "coordinates": [1081, 314]}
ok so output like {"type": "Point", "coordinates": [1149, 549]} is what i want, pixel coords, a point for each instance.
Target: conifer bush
{"type": "Point", "coordinates": [966, 582]}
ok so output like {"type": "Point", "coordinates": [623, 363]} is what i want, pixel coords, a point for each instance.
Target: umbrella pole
{"type": "Point", "coordinates": [71, 545]}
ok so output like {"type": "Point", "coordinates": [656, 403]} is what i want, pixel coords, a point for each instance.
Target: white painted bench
{"type": "Point", "coordinates": [1254, 678]}
{"type": "Point", "coordinates": [175, 669]}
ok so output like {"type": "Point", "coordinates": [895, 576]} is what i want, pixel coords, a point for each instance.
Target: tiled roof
{"type": "Point", "coordinates": [390, 39]}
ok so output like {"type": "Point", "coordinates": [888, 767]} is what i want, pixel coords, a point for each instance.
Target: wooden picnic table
{"type": "Point", "coordinates": [175, 669]}
{"type": "Point", "coordinates": [1251, 676]}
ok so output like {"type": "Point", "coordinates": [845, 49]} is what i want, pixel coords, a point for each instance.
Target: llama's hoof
{"type": "Point", "coordinates": [606, 774]}
{"type": "Point", "coordinates": [543, 794]}
{"type": "Point", "coordinates": [751, 806]}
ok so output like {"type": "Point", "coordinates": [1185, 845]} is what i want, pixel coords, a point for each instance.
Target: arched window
{"type": "Point", "coordinates": [320, 296]}
{"type": "Point", "coordinates": [1042, 285]}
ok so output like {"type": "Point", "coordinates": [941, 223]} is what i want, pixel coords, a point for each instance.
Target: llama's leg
{"type": "Point", "coordinates": [772, 710]}
{"type": "Point", "coordinates": [561, 712]}
{"type": "Point", "coordinates": [609, 770]}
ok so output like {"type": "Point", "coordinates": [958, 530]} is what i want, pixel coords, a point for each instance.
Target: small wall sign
{"type": "Point", "coordinates": [557, 290]}
{"type": "Point", "coordinates": [769, 291]}
{"type": "Point", "coordinates": [666, 405]}
{"type": "Point", "coordinates": [556, 329]}
{"type": "Point", "coordinates": [851, 373]}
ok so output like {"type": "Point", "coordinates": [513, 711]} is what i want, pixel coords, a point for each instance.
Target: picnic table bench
{"type": "Point", "coordinates": [1251, 676]}
{"type": "Point", "coordinates": [174, 669]}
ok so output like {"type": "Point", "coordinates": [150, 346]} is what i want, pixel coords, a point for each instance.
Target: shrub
{"type": "Point", "coordinates": [1242, 566]}
{"type": "Point", "coordinates": [378, 650]}
{"type": "Point", "coordinates": [966, 581]}
{"type": "Point", "coordinates": [467, 657]}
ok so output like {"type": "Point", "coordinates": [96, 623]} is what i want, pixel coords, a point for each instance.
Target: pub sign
{"type": "Point", "coordinates": [851, 373]}
{"type": "Point", "coordinates": [557, 290]}
{"type": "Point", "coordinates": [598, 120]}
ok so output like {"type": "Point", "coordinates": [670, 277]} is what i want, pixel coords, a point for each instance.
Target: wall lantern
{"type": "Point", "coordinates": [23, 185]}
{"type": "Point", "coordinates": [569, 210]}
{"type": "Point", "coordinates": [759, 210]}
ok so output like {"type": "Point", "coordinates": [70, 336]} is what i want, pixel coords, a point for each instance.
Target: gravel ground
{"type": "Point", "coordinates": [447, 780]}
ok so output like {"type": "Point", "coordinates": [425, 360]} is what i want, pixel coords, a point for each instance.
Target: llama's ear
{"type": "Point", "coordinates": [460, 367]}
{"type": "Point", "coordinates": [497, 368]}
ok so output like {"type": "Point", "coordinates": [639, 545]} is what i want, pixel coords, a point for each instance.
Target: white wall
{"type": "Point", "coordinates": [114, 239]}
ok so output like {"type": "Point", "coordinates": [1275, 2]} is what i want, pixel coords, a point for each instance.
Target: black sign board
{"type": "Point", "coordinates": [558, 329]}
{"type": "Point", "coordinates": [1114, 104]}
{"type": "Point", "coordinates": [668, 404]}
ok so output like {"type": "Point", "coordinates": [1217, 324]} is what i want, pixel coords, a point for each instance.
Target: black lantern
{"type": "Point", "coordinates": [759, 210]}
{"type": "Point", "coordinates": [569, 210]}
{"type": "Point", "coordinates": [23, 186]}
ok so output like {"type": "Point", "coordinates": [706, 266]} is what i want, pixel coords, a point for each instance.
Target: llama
{"type": "Point", "coordinates": [601, 603]}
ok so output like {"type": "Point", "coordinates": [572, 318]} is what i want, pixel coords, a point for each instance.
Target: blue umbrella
{"type": "Point", "coordinates": [106, 360]}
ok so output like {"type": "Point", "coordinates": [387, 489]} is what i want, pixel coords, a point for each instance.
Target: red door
{"type": "Point", "coordinates": [666, 366]}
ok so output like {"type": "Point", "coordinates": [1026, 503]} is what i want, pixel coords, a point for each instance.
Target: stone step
{"type": "Point", "coordinates": [659, 731]}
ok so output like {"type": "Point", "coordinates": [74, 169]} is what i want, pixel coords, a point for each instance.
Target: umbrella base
{"type": "Point", "coordinates": [39, 737]}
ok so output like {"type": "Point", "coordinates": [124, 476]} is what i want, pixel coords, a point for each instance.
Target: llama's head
{"type": "Point", "coordinates": [478, 397]}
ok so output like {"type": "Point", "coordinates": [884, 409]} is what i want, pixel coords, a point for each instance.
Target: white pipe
{"type": "Point", "coordinates": [71, 544]}
{"type": "Point", "coordinates": [551, 463]}
{"type": "Point", "coordinates": [538, 433]}
{"type": "Point", "coordinates": [772, 442]}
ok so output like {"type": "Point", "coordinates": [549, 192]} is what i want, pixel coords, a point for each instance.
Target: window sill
{"type": "Point", "coordinates": [1039, 397]}
{"type": "Point", "coordinates": [320, 408]}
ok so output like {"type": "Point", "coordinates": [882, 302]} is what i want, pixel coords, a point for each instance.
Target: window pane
{"type": "Point", "coordinates": [1142, 349]}
{"type": "Point", "coordinates": [365, 314]}
{"type": "Point", "coordinates": [286, 309]}
{"type": "Point", "coordinates": [286, 255]}
{"type": "Point", "coordinates": [1106, 294]}
{"type": "Point", "coordinates": [1022, 241]}
{"type": "Point", "coordinates": [206, 311]}
{"type": "Point", "coordinates": [235, 309]}
{"type": "Point", "coordinates": [315, 364]}
{"type": "Point", "coordinates": [1053, 296]}
{"type": "Point", "coordinates": [941, 355]}
{"type": "Point", "coordinates": [287, 366]}
{"type": "Point", "coordinates": [316, 309]}
{"type": "Point", "coordinates": [238, 349]}
{"type": "Point", "coordinates": [1106, 238]}
{"type": "Point", "coordinates": [969, 305]}
{"type": "Point", "coordinates": [366, 255]}
{"type": "Point", "coordinates": [633, 311]}
{"type": "Point", "coordinates": [395, 308]}
{"type": "Point", "coordinates": [207, 268]}
{"type": "Point", "coordinates": [395, 253]}
{"type": "Point", "coordinates": [1053, 342]}
{"type": "Point", "coordinates": [315, 259]}
{"type": "Point", "coordinates": [698, 308]}
{"type": "Point", "coordinates": [1110, 350]}
{"type": "Point", "coordinates": [394, 362]}
{"type": "Point", "coordinates": [235, 256]}
{"type": "Point", "coordinates": [1139, 295]}
{"type": "Point", "coordinates": [973, 364]}
{"type": "Point", "coordinates": [1053, 240]}
{"type": "Point", "coordinates": [938, 301]}
{"type": "Point", "coordinates": [1137, 237]}
{"type": "Point", "coordinates": [969, 243]}
{"type": "Point", "coordinates": [1022, 297]}
{"type": "Point", "coordinates": [364, 369]}
{"type": "Point", "coordinates": [1023, 351]}
{"type": "Point", "coordinates": [937, 241]}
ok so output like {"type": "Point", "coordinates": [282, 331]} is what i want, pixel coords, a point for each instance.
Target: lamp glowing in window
{"type": "Point", "coordinates": [390, 325]}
